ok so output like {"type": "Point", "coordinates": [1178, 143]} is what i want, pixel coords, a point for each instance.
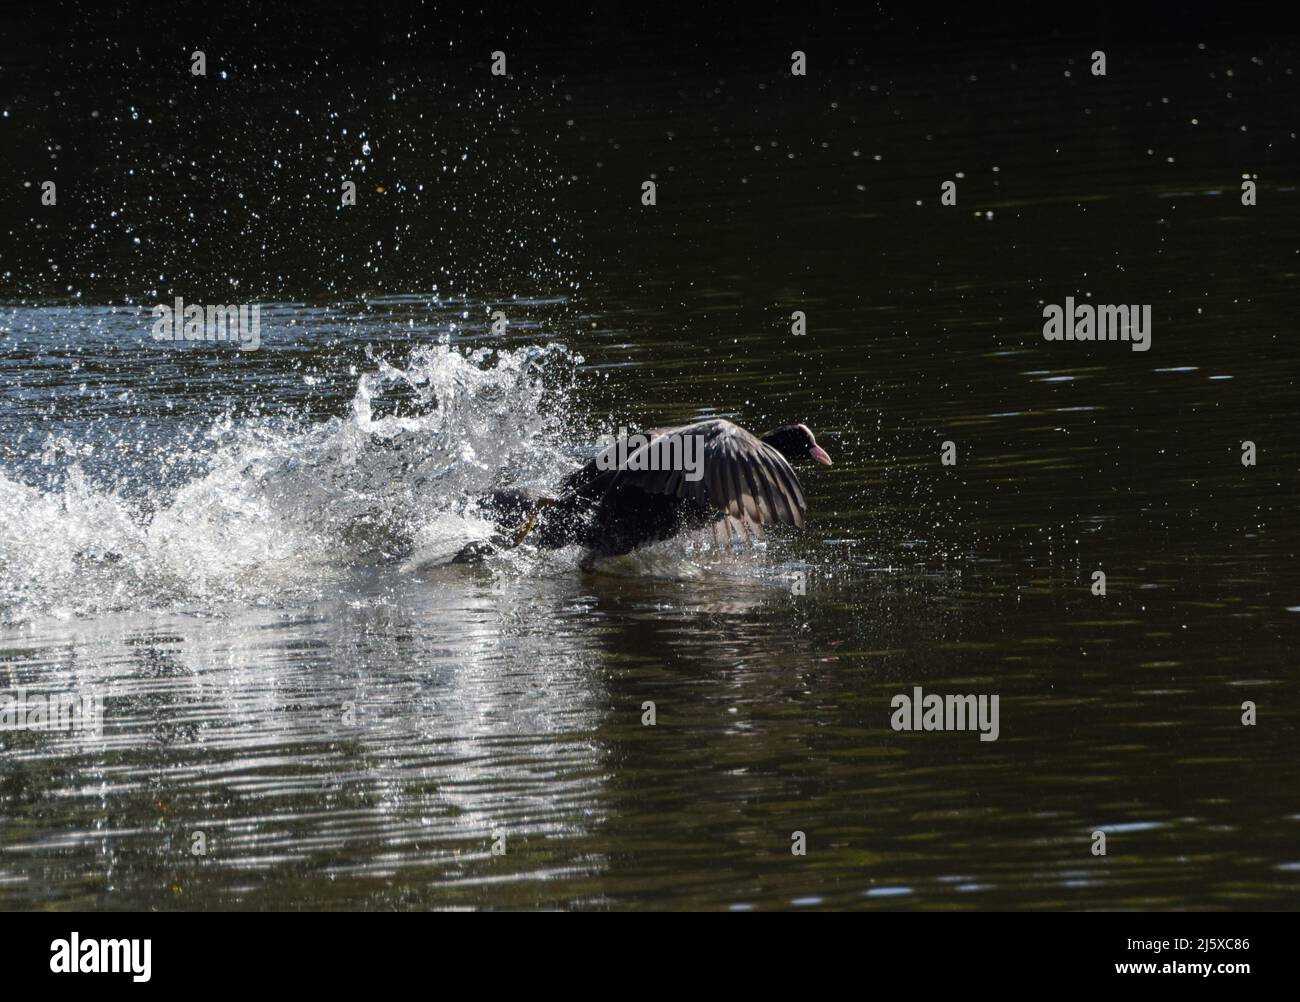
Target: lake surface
{"type": "Point", "coordinates": [245, 553]}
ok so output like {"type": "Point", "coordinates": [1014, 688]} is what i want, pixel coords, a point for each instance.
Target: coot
{"type": "Point", "coordinates": [642, 489]}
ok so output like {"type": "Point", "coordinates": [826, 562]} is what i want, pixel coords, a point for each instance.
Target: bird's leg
{"type": "Point", "coordinates": [532, 520]}
{"type": "Point", "coordinates": [479, 549]}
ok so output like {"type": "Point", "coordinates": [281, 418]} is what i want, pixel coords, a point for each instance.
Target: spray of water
{"type": "Point", "coordinates": [285, 513]}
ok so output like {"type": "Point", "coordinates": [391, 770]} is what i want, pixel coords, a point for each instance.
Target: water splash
{"type": "Point", "coordinates": [281, 512]}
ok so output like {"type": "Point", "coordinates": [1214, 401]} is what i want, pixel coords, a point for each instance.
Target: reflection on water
{"type": "Point", "coordinates": [370, 752]}
{"type": "Point", "coordinates": [246, 554]}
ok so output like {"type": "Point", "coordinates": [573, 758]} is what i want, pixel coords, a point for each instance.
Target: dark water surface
{"type": "Point", "coordinates": [246, 553]}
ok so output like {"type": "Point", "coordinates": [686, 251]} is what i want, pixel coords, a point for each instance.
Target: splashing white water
{"type": "Point", "coordinates": [283, 514]}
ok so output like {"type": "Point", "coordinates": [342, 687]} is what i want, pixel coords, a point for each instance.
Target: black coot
{"type": "Point", "coordinates": [633, 493]}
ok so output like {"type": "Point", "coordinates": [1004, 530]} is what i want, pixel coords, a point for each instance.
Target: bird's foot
{"type": "Point", "coordinates": [474, 552]}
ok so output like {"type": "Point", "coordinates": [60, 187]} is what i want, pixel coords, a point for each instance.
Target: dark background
{"type": "Point", "coordinates": [168, 181]}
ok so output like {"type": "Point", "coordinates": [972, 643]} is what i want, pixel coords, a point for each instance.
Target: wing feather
{"type": "Point", "coordinates": [743, 477]}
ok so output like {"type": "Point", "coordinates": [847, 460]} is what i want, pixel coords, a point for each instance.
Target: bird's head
{"type": "Point", "coordinates": [796, 443]}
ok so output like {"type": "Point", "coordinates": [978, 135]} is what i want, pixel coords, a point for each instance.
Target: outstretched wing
{"type": "Point", "coordinates": [742, 476]}
{"type": "Point", "coordinates": [733, 530]}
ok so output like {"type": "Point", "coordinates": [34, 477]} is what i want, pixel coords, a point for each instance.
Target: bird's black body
{"type": "Point", "coordinates": [609, 518]}
{"type": "Point", "coordinates": [610, 508]}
